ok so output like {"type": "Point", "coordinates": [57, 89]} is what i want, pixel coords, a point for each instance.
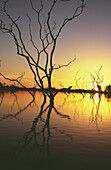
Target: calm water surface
{"type": "Point", "coordinates": [76, 134]}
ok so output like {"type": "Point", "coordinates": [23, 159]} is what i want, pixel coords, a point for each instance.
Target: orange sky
{"type": "Point", "coordinates": [88, 38]}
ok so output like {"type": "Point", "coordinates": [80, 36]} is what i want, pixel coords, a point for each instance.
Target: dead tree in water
{"type": "Point", "coordinates": [99, 88]}
{"type": "Point", "coordinates": [97, 80]}
{"type": "Point", "coordinates": [48, 39]}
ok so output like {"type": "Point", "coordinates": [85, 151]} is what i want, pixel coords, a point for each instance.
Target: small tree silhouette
{"type": "Point", "coordinates": [48, 39]}
{"type": "Point", "coordinates": [97, 79]}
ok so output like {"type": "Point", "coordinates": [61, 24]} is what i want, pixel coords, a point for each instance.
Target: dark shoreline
{"type": "Point", "coordinates": [65, 90]}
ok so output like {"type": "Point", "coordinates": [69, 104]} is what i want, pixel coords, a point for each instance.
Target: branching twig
{"type": "Point", "coordinates": [17, 113]}
{"type": "Point", "coordinates": [47, 37]}
{"type": "Point", "coordinates": [96, 79]}
{"type": "Point", "coordinates": [16, 80]}
{"type": "Point", "coordinates": [62, 115]}
{"type": "Point", "coordinates": [64, 65]}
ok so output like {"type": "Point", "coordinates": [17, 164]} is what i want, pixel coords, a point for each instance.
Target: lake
{"type": "Point", "coordinates": [75, 133]}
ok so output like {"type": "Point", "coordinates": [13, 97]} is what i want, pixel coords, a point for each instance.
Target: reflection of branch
{"type": "Point", "coordinates": [65, 99]}
{"type": "Point", "coordinates": [15, 101]}
{"type": "Point", "coordinates": [37, 138]}
{"type": "Point", "coordinates": [1, 98]}
{"type": "Point", "coordinates": [32, 134]}
{"type": "Point", "coordinates": [34, 124]}
{"type": "Point", "coordinates": [94, 117]}
{"type": "Point", "coordinates": [17, 113]}
{"type": "Point", "coordinates": [62, 132]}
{"type": "Point", "coordinates": [62, 115]}
{"type": "Point", "coordinates": [77, 105]}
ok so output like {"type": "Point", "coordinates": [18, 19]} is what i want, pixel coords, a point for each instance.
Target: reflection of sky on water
{"type": "Point", "coordinates": [77, 127]}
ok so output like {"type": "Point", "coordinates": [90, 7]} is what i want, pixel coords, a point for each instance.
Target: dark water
{"type": "Point", "coordinates": [76, 134]}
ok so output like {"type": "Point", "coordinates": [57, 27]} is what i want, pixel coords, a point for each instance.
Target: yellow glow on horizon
{"type": "Point", "coordinates": [86, 62]}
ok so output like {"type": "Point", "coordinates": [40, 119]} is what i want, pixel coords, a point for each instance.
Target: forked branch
{"type": "Point", "coordinates": [65, 65]}
{"type": "Point", "coordinates": [48, 39]}
{"type": "Point", "coordinates": [17, 80]}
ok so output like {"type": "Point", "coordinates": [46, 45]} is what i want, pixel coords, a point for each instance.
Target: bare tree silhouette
{"type": "Point", "coordinates": [47, 36]}
{"type": "Point", "coordinates": [97, 80]}
{"type": "Point", "coordinates": [77, 79]}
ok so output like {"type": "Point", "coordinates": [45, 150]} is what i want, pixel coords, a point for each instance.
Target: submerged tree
{"type": "Point", "coordinates": [97, 80]}
{"type": "Point", "coordinates": [48, 37]}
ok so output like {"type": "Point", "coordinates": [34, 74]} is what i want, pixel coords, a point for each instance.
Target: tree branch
{"type": "Point", "coordinates": [16, 80]}
{"type": "Point", "coordinates": [48, 19]}
{"type": "Point", "coordinates": [75, 14]}
{"type": "Point", "coordinates": [30, 33]}
{"type": "Point", "coordinates": [65, 65]}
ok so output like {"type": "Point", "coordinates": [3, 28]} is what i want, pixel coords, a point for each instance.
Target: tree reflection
{"type": "Point", "coordinates": [95, 115]}
{"type": "Point", "coordinates": [36, 140]}
{"type": "Point", "coordinates": [40, 137]}
{"type": "Point", "coordinates": [1, 98]}
{"type": "Point", "coordinates": [20, 110]}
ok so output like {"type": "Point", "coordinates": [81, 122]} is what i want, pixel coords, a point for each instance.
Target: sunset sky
{"type": "Point", "coordinates": [88, 37]}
